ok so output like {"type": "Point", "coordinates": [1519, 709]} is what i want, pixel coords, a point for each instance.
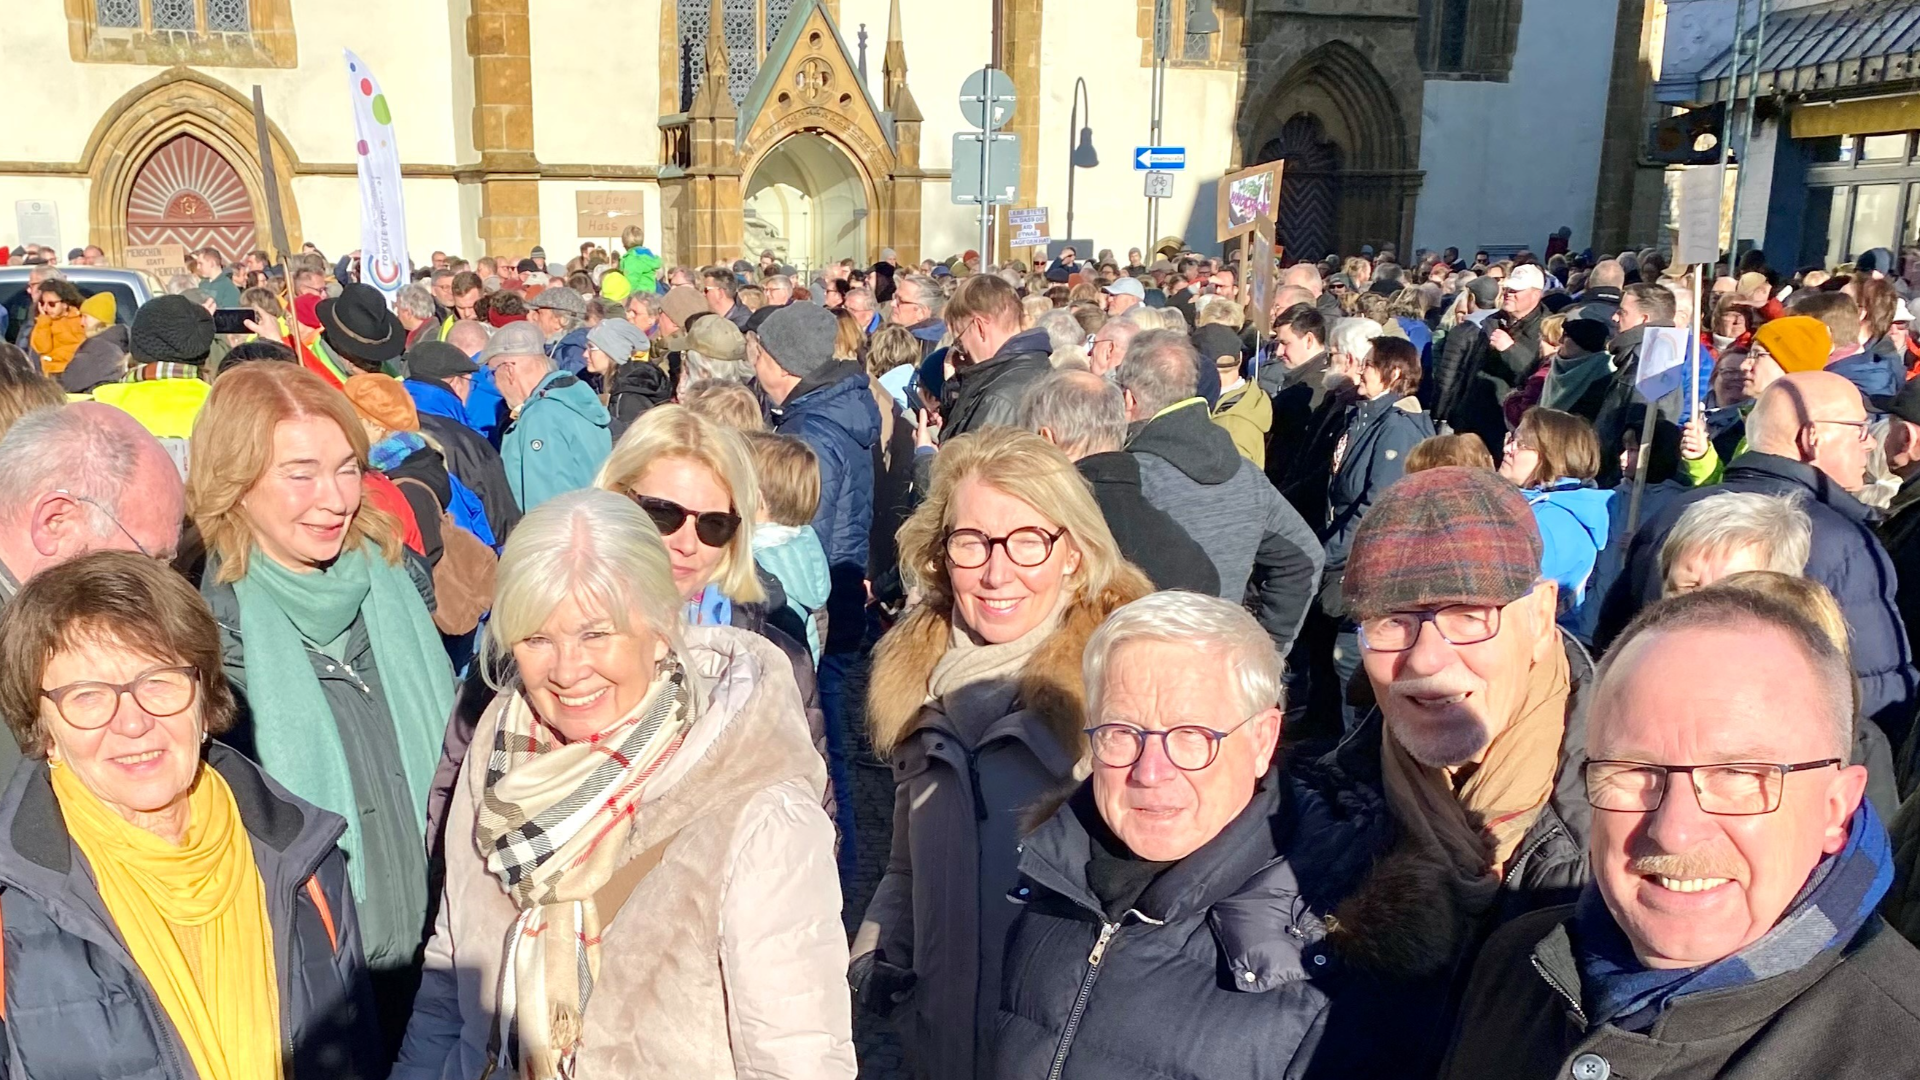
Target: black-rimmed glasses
{"type": "Point", "coordinates": [90, 705]}
{"type": "Point", "coordinates": [715, 528]}
{"type": "Point", "coordinates": [1733, 789]}
{"type": "Point", "coordinates": [1190, 747]}
{"type": "Point", "coordinates": [1458, 624]}
{"type": "Point", "coordinates": [969, 549]}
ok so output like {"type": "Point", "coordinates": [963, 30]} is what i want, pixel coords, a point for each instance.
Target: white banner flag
{"type": "Point", "coordinates": [383, 213]}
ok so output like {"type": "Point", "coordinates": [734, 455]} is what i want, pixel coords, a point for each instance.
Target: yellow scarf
{"type": "Point", "coordinates": [195, 919]}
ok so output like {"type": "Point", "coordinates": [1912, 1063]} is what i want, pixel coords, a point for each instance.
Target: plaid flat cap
{"type": "Point", "coordinates": [1451, 535]}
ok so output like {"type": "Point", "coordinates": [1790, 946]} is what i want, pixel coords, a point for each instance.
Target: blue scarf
{"type": "Point", "coordinates": [712, 608]}
{"type": "Point", "coordinates": [1837, 900]}
{"type": "Point", "coordinates": [388, 453]}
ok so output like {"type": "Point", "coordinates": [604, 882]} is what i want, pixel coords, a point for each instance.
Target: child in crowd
{"type": "Point", "coordinates": [784, 544]}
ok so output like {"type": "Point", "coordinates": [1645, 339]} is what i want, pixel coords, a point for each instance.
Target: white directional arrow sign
{"type": "Point", "coordinates": [1159, 157]}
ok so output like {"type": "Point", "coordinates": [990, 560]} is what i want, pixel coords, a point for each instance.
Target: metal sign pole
{"type": "Point", "coordinates": [986, 161]}
{"type": "Point", "coordinates": [1759, 34]}
{"type": "Point", "coordinates": [1162, 31]}
{"type": "Point", "coordinates": [1726, 129]}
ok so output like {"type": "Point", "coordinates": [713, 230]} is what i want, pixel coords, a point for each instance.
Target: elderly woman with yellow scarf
{"type": "Point", "coordinates": [169, 910]}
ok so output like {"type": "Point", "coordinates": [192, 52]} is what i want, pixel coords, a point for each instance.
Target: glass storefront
{"type": "Point", "coordinates": [1863, 192]}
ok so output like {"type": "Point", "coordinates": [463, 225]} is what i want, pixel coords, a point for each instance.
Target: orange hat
{"type": "Point", "coordinates": [381, 399]}
{"type": "Point", "coordinates": [1796, 342]}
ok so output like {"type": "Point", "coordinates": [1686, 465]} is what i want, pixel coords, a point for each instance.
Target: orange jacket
{"type": "Point", "coordinates": [55, 340]}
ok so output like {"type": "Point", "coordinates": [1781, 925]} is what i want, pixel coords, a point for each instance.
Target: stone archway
{"type": "Point", "coordinates": [150, 118]}
{"type": "Point", "coordinates": [807, 201]}
{"type": "Point", "coordinates": [1343, 128]}
{"type": "Point", "coordinates": [187, 194]}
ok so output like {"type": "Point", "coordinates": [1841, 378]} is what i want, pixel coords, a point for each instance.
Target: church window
{"type": "Point", "coordinates": [224, 33]}
{"type": "Point", "coordinates": [1468, 39]}
{"type": "Point", "coordinates": [750, 28]}
{"type": "Point", "coordinates": [1221, 49]}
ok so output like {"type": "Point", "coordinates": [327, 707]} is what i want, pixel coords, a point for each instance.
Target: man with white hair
{"type": "Point", "coordinates": [1110, 344]}
{"type": "Point", "coordinates": [1730, 926]}
{"type": "Point", "coordinates": [1177, 890]}
{"type": "Point", "coordinates": [413, 305]}
{"type": "Point", "coordinates": [557, 435]}
{"type": "Point", "coordinates": [79, 478]}
{"type": "Point", "coordinates": [1085, 416]}
{"type": "Point", "coordinates": [1190, 469]}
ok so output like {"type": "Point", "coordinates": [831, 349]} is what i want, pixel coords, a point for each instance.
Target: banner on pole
{"type": "Point", "coordinates": [1669, 356]}
{"type": "Point", "coordinates": [383, 216]}
{"type": "Point", "coordinates": [1699, 216]}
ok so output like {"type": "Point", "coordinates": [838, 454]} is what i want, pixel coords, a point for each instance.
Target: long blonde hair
{"type": "Point", "coordinates": [672, 431]}
{"type": "Point", "coordinates": [1031, 469]}
{"type": "Point", "coordinates": [232, 448]}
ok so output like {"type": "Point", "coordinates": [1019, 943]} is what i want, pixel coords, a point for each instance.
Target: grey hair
{"type": "Point", "coordinates": [696, 367]}
{"type": "Point", "coordinates": [592, 545]}
{"type": "Point", "coordinates": [648, 301]}
{"type": "Point", "coordinates": [1084, 414]}
{"type": "Point", "coordinates": [61, 447]}
{"type": "Point", "coordinates": [1353, 337]}
{"type": "Point", "coordinates": [1777, 525]}
{"type": "Point", "coordinates": [1161, 367]}
{"type": "Point", "coordinates": [863, 294]}
{"type": "Point", "coordinates": [569, 322]}
{"type": "Point", "coordinates": [1210, 626]}
{"type": "Point", "coordinates": [777, 281]}
{"type": "Point", "coordinates": [926, 292]}
{"type": "Point", "coordinates": [180, 283]}
{"type": "Point", "coordinates": [415, 299]}
{"type": "Point", "coordinates": [1061, 327]}
{"type": "Point", "coordinates": [444, 273]}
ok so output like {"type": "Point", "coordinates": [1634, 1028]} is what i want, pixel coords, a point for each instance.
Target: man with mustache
{"type": "Point", "coordinates": [1729, 928]}
{"type": "Point", "coordinates": [1465, 774]}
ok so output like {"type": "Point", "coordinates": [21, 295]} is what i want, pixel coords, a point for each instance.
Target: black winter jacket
{"type": "Point", "coordinates": [1148, 537]}
{"type": "Point", "coordinates": [635, 387]}
{"type": "Point", "coordinates": [1847, 558]}
{"type": "Point", "coordinates": [1308, 416]}
{"type": "Point", "coordinates": [990, 393]}
{"type": "Point", "coordinates": [425, 468]}
{"type": "Point", "coordinates": [475, 461]}
{"type": "Point", "coordinates": [1624, 408]}
{"type": "Point", "coordinates": [1454, 367]}
{"type": "Point", "coordinates": [76, 1004]}
{"type": "Point", "coordinates": [1219, 970]}
{"type": "Point", "coordinates": [1379, 436]}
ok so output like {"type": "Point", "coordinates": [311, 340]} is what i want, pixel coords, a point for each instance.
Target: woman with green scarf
{"type": "Point", "coordinates": [342, 684]}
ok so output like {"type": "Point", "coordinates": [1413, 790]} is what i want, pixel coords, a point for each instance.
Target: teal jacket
{"type": "Point", "coordinates": [558, 441]}
{"type": "Point", "coordinates": [641, 268]}
{"type": "Point", "coordinates": [795, 556]}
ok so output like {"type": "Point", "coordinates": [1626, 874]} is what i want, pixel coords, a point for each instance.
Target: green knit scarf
{"type": "Point", "coordinates": [281, 613]}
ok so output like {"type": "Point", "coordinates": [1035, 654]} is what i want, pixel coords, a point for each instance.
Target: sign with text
{"type": "Point", "coordinates": [1247, 196]}
{"type": "Point", "coordinates": [1030, 227]}
{"type": "Point", "coordinates": [1699, 216]}
{"type": "Point", "coordinates": [160, 260]}
{"type": "Point", "coordinates": [37, 221]}
{"type": "Point", "coordinates": [606, 212]}
{"type": "Point", "coordinates": [1159, 157]}
{"type": "Point", "coordinates": [1260, 272]}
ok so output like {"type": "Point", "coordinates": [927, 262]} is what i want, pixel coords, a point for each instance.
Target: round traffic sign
{"type": "Point", "coordinates": [986, 99]}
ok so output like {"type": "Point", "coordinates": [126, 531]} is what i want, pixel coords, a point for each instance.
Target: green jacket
{"type": "Point", "coordinates": [1246, 414]}
{"type": "Point", "coordinates": [557, 441]}
{"type": "Point", "coordinates": [641, 268]}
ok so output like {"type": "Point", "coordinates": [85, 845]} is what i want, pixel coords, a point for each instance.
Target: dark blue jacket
{"type": "Point", "coordinates": [1380, 434]}
{"type": "Point", "coordinates": [1847, 558]}
{"type": "Point", "coordinates": [77, 1005]}
{"type": "Point", "coordinates": [569, 352]}
{"type": "Point", "coordinates": [1221, 968]}
{"type": "Point", "coordinates": [1876, 374]}
{"type": "Point", "coordinates": [833, 411]}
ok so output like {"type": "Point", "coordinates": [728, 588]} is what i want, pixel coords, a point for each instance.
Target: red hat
{"type": "Point", "coordinates": [500, 319]}
{"type": "Point", "coordinates": [970, 255]}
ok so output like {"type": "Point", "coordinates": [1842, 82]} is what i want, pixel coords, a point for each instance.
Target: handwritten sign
{"type": "Point", "coordinates": [160, 260]}
{"type": "Point", "coordinates": [607, 211]}
{"type": "Point", "coordinates": [1246, 196]}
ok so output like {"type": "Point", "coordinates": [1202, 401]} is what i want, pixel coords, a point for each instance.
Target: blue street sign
{"type": "Point", "coordinates": [1159, 157]}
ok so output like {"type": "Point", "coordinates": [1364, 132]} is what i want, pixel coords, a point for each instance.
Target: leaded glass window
{"type": "Point", "coordinates": [749, 28]}
{"type": "Point", "coordinates": [693, 48]}
{"type": "Point", "coordinates": [777, 12]}
{"type": "Point", "coordinates": [117, 12]}
{"type": "Point", "coordinates": [228, 16]}
{"type": "Point", "coordinates": [743, 56]}
{"type": "Point", "coordinates": [174, 15]}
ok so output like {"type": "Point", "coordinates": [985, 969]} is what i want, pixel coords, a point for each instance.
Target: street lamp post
{"type": "Point", "coordinates": [1080, 154]}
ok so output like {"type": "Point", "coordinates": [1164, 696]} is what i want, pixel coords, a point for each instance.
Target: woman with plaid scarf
{"type": "Point", "coordinates": [640, 878]}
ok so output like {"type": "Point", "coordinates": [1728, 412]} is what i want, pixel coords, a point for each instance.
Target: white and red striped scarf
{"type": "Point", "coordinates": [553, 825]}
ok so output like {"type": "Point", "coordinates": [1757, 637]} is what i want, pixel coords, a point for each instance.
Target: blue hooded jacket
{"type": "Point", "coordinates": [833, 412]}
{"type": "Point", "coordinates": [1876, 374]}
{"type": "Point", "coordinates": [1575, 519]}
{"type": "Point", "coordinates": [559, 441]}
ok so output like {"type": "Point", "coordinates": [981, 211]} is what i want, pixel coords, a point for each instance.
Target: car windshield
{"type": "Point", "coordinates": [17, 304]}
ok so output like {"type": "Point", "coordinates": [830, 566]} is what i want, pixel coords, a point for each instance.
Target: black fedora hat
{"type": "Point", "coordinates": [359, 326]}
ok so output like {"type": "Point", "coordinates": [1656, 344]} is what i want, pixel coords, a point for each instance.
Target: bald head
{"type": "Point", "coordinates": [1303, 276]}
{"type": "Point", "coordinates": [1815, 417]}
{"type": "Point", "coordinates": [85, 477]}
{"type": "Point", "coordinates": [1608, 272]}
{"type": "Point", "coordinates": [1287, 296]}
{"type": "Point", "coordinates": [468, 336]}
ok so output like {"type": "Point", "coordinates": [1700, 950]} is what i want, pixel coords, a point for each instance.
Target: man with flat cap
{"type": "Point", "coordinates": [827, 403]}
{"type": "Point", "coordinates": [557, 437]}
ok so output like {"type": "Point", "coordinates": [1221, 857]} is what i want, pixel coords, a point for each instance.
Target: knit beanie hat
{"type": "Point", "coordinates": [381, 399]}
{"type": "Point", "coordinates": [619, 339]}
{"type": "Point", "coordinates": [1452, 535]}
{"type": "Point", "coordinates": [170, 329]}
{"type": "Point", "coordinates": [800, 337]}
{"type": "Point", "coordinates": [614, 286]}
{"type": "Point", "coordinates": [1796, 342]}
{"type": "Point", "coordinates": [101, 306]}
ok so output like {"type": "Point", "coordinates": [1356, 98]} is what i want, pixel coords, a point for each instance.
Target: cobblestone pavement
{"type": "Point", "coordinates": [879, 1049]}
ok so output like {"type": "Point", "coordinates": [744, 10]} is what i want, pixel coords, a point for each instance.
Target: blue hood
{"type": "Point", "coordinates": [1590, 507]}
{"type": "Point", "coordinates": [435, 400]}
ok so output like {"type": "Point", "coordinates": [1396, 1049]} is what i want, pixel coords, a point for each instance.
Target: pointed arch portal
{"type": "Point", "coordinates": [807, 201]}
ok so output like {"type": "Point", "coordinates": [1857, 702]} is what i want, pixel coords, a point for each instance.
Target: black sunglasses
{"type": "Point", "coordinates": [714, 528]}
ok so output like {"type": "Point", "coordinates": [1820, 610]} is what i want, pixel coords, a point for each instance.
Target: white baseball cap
{"type": "Point", "coordinates": [1128, 286]}
{"type": "Point", "coordinates": [1525, 277]}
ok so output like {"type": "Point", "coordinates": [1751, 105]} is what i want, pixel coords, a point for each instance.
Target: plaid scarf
{"type": "Point", "coordinates": [162, 369]}
{"type": "Point", "coordinates": [1837, 900]}
{"type": "Point", "coordinates": [553, 824]}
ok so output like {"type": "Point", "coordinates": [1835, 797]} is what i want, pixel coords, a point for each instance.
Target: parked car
{"type": "Point", "coordinates": [130, 289]}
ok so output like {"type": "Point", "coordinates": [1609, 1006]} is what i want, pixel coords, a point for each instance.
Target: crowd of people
{"type": "Point", "coordinates": [472, 684]}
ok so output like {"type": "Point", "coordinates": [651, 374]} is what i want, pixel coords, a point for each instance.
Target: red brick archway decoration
{"type": "Point", "coordinates": [187, 194]}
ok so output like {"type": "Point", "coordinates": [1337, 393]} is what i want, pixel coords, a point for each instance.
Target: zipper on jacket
{"type": "Point", "coordinates": [1572, 999]}
{"type": "Point", "coordinates": [1520, 862]}
{"type": "Point", "coordinates": [1099, 953]}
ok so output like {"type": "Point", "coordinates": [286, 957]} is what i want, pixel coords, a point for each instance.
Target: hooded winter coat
{"type": "Point", "coordinates": [990, 393]}
{"type": "Point", "coordinates": [833, 412]}
{"type": "Point", "coordinates": [556, 442]}
{"type": "Point", "coordinates": [76, 1004]}
{"type": "Point", "coordinates": [635, 387]}
{"type": "Point", "coordinates": [1246, 414]}
{"type": "Point", "coordinates": [1221, 969]}
{"type": "Point", "coordinates": [1190, 469]}
{"type": "Point", "coordinates": [1876, 374]}
{"type": "Point", "coordinates": [641, 268]}
{"type": "Point", "coordinates": [967, 769]}
{"type": "Point", "coordinates": [1380, 435]}
{"type": "Point", "coordinates": [569, 351]}
{"type": "Point", "coordinates": [1575, 519]}
{"type": "Point", "coordinates": [474, 462]}
{"type": "Point", "coordinates": [1847, 558]}
{"type": "Point", "coordinates": [1145, 534]}
{"type": "Point", "coordinates": [728, 958]}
